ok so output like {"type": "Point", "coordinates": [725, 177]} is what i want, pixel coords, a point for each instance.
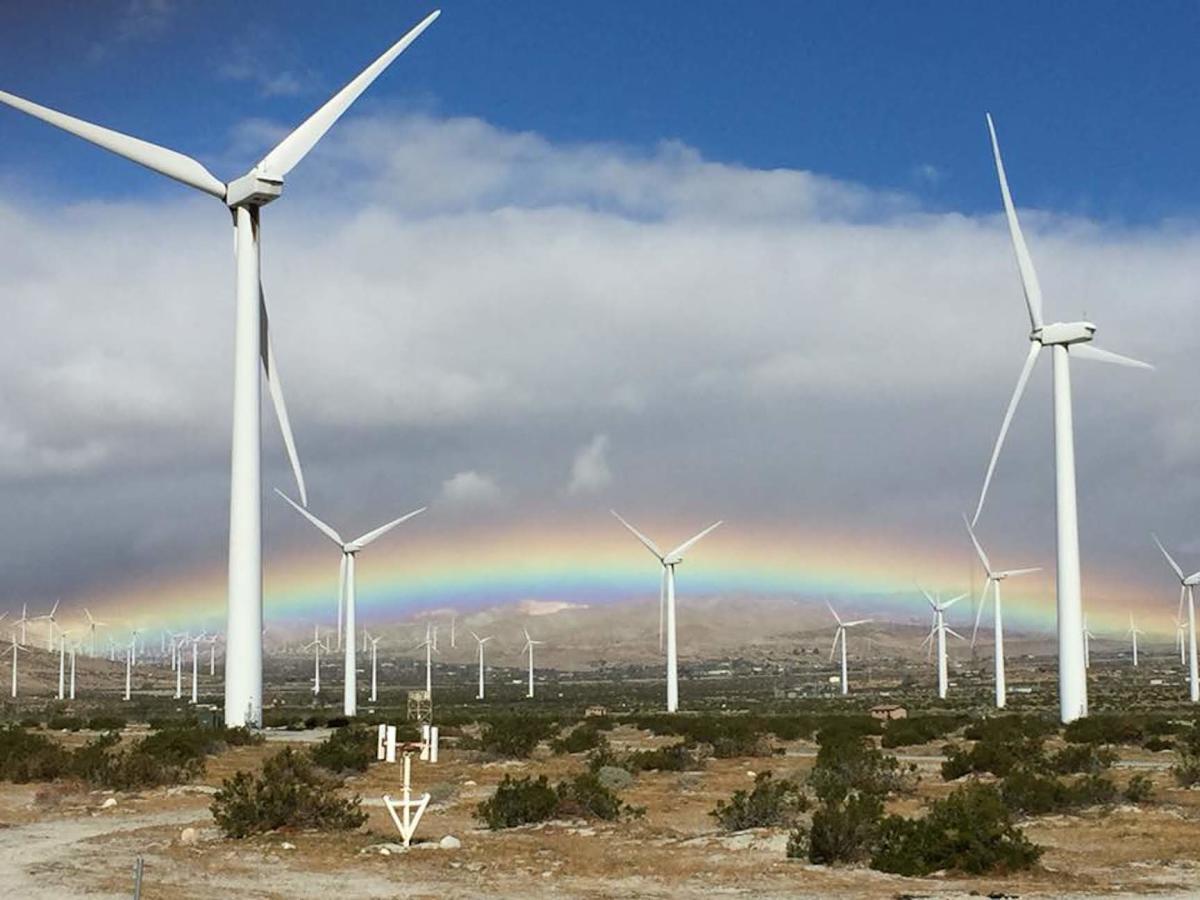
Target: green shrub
{"type": "Point", "coordinates": [1082, 758]}
{"type": "Point", "coordinates": [672, 758]}
{"type": "Point", "coordinates": [998, 751]}
{"type": "Point", "coordinates": [586, 796]}
{"type": "Point", "coordinates": [289, 793]}
{"type": "Point", "coordinates": [1158, 744]}
{"type": "Point", "coordinates": [918, 730]}
{"type": "Point", "coordinates": [30, 722]}
{"type": "Point", "coordinates": [518, 801]}
{"type": "Point", "coordinates": [969, 831]}
{"type": "Point", "coordinates": [1187, 758]}
{"type": "Point", "coordinates": [64, 723]}
{"type": "Point", "coordinates": [105, 723]}
{"type": "Point", "coordinates": [580, 739]}
{"type": "Point", "coordinates": [514, 736]}
{"type": "Point", "coordinates": [1035, 794]}
{"type": "Point", "coordinates": [843, 832]}
{"type": "Point", "coordinates": [26, 757]}
{"type": "Point", "coordinates": [848, 763]}
{"type": "Point", "coordinates": [338, 722]}
{"type": "Point", "coordinates": [771, 803]}
{"type": "Point", "coordinates": [614, 777]}
{"type": "Point", "coordinates": [1139, 789]}
{"type": "Point", "coordinates": [1010, 728]}
{"type": "Point", "coordinates": [350, 749]}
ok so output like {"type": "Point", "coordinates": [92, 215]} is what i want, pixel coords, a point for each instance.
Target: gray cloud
{"type": "Point", "coordinates": [451, 299]}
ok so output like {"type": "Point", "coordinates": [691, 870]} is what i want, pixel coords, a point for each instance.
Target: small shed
{"type": "Point", "coordinates": [887, 712]}
{"type": "Point", "coordinates": [595, 712]}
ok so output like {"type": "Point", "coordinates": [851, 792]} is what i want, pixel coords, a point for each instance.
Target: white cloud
{"type": "Point", "coordinates": [589, 469]}
{"type": "Point", "coordinates": [469, 488]}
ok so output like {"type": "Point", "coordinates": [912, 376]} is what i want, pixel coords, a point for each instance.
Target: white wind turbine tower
{"type": "Point", "coordinates": [840, 634]}
{"type": "Point", "coordinates": [430, 646]}
{"type": "Point", "coordinates": [316, 646]}
{"type": "Point", "coordinates": [129, 664]}
{"type": "Point", "coordinates": [74, 648]}
{"type": "Point", "coordinates": [23, 621]}
{"type": "Point", "coordinates": [244, 197]}
{"type": "Point", "coordinates": [1133, 633]}
{"type": "Point", "coordinates": [937, 635]}
{"type": "Point", "coordinates": [453, 621]}
{"type": "Point", "coordinates": [346, 599]}
{"type": "Point", "coordinates": [374, 642]}
{"type": "Point", "coordinates": [178, 645]}
{"type": "Point", "coordinates": [212, 654]}
{"type": "Point", "coordinates": [196, 641]}
{"type": "Point", "coordinates": [62, 663]}
{"type": "Point", "coordinates": [1180, 642]}
{"type": "Point", "coordinates": [51, 624]}
{"type": "Point", "coordinates": [92, 626]}
{"type": "Point", "coordinates": [1186, 583]}
{"type": "Point", "coordinates": [666, 598]}
{"type": "Point", "coordinates": [1058, 336]}
{"type": "Point", "coordinates": [993, 581]}
{"type": "Point", "coordinates": [530, 643]}
{"type": "Point", "coordinates": [14, 649]}
{"type": "Point", "coordinates": [481, 641]}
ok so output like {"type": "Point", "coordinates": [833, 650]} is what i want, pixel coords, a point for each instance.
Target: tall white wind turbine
{"type": "Point", "coordinates": [480, 641]}
{"type": "Point", "coordinates": [993, 582]}
{"type": "Point", "coordinates": [346, 600]}
{"type": "Point", "coordinates": [14, 649]}
{"type": "Point", "coordinates": [23, 621]}
{"type": "Point", "coordinates": [530, 643]}
{"type": "Point", "coordinates": [93, 624]}
{"type": "Point", "coordinates": [51, 624]}
{"type": "Point", "coordinates": [1133, 633]}
{"type": "Point", "coordinates": [840, 634]}
{"type": "Point", "coordinates": [374, 642]}
{"type": "Point", "coordinates": [938, 636]}
{"type": "Point", "coordinates": [1058, 336]}
{"type": "Point", "coordinates": [668, 561]}
{"type": "Point", "coordinates": [1186, 583]}
{"type": "Point", "coordinates": [244, 197]}
{"type": "Point", "coordinates": [430, 646]}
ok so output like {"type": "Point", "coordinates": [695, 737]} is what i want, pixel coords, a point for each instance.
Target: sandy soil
{"type": "Point", "coordinates": [56, 842]}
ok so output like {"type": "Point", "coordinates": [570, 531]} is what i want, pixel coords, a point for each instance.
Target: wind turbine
{"type": "Point", "coordinates": [62, 662]}
{"type": "Point", "coordinates": [1087, 644]}
{"type": "Point", "coordinates": [212, 654]}
{"type": "Point", "coordinates": [993, 581]}
{"type": "Point", "coordinates": [316, 646]}
{"type": "Point", "coordinates": [668, 561]}
{"type": "Point", "coordinates": [937, 635]}
{"type": "Point", "coordinates": [1058, 336]}
{"type": "Point", "coordinates": [346, 599]}
{"type": "Point", "coordinates": [430, 647]}
{"type": "Point", "coordinates": [453, 620]}
{"type": "Point", "coordinates": [374, 641]}
{"type": "Point", "coordinates": [23, 621]}
{"type": "Point", "coordinates": [1180, 630]}
{"type": "Point", "coordinates": [14, 649]}
{"type": "Point", "coordinates": [92, 626]}
{"type": "Point", "coordinates": [195, 671]}
{"type": "Point", "coordinates": [530, 643]}
{"type": "Point", "coordinates": [1186, 583]}
{"type": "Point", "coordinates": [244, 197]}
{"type": "Point", "coordinates": [841, 634]}
{"type": "Point", "coordinates": [129, 664]}
{"type": "Point", "coordinates": [1133, 633]}
{"type": "Point", "coordinates": [74, 648]}
{"type": "Point", "coordinates": [481, 641]}
{"type": "Point", "coordinates": [51, 624]}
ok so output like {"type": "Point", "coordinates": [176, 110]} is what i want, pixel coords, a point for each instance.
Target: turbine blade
{"type": "Point", "coordinates": [296, 145]}
{"type": "Point", "coordinates": [979, 612]}
{"type": "Point", "coordinates": [837, 634]}
{"type": "Point", "coordinates": [275, 389]}
{"type": "Point", "coordinates": [158, 159]}
{"type": "Point", "coordinates": [1029, 281]}
{"type": "Point", "coordinates": [857, 622]}
{"type": "Point", "coordinates": [686, 545]}
{"type": "Point", "coordinates": [321, 526]}
{"type": "Point", "coordinates": [1012, 573]}
{"type": "Point", "coordinates": [1099, 354]}
{"type": "Point", "coordinates": [379, 532]}
{"type": "Point", "coordinates": [950, 630]}
{"type": "Point", "coordinates": [1022, 380]}
{"type": "Point", "coordinates": [949, 603]}
{"type": "Point", "coordinates": [836, 617]}
{"type": "Point", "coordinates": [1174, 565]}
{"type": "Point", "coordinates": [650, 545]}
{"type": "Point", "coordinates": [987, 566]}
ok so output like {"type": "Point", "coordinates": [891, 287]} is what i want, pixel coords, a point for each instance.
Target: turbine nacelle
{"type": "Point", "coordinates": [1065, 333]}
{"type": "Point", "coordinates": [253, 189]}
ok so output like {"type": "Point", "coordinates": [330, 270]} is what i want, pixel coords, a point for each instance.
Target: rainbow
{"type": "Point", "coordinates": [480, 567]}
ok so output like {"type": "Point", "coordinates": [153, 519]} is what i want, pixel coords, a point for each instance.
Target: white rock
{"type": "Point", "coordinates": [287, 845]}
{"type": "Point", "coordinates": [468, 783]}
{"type": "Point", "coordinates": [189, 836]}
{"type": "Point", "coordinates": [751, 774]}
{"type": "Point", "coordinates": [109, 803]}
{"type": "Point", "coordinates": [450, 842]}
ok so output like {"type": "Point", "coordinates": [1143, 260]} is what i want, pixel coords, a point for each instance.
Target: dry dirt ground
{"type": "Point", "coordinates": [58, 843]}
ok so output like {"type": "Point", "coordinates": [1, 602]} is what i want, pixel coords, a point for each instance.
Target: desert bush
{"type": "Point", "coordinates": [514, 736]}
{"type": "Point", "coordinates": [350, 749]}
{"type": "Point", "coordinates": [1187, 758]}
{"type": "Point", "coordinates": [602, 756]}
{"type": "Point", "coordinates": [518, 801]}
{"type": "Point", "coordinates": [918, 730]}
{"type": "Point", "coordinates": [289, 793]}
{"type": "Point", "coordinates": [580, 739]}
{"type": "Point", "coordinates": [1087, 759]}
{"type": "Point", "coordinates": [1010, 728]}
{"type": "Point", "coordinates": [337, 722]}
{"type": "Point", "coordinates": [842, 832]}
{"type": "Point", "coordinates": [998, 751]}
{"type": "Point", "coordinates": [586, 796]}
{"type": "Point", "coordinates": [105, 723]}
{"type": "Point", "coordinates": [1139, 789]}
{"type": "Point", "coordinates": [1158, 744]}
{"type": "Point", "coordinates": [1119, 728]}
{"type": "Point", "coordinates": [849, 764]}
{"type": "Point", "coordinates": [64, 723]}
{"type": "Point", "coordinates": [1038, 794]}
{"type": "Point", "coordinates": [26, 757]}
{"type": "Point", "coordinates": [771, 803]}
{"type": "Point", "coordinates": [672, 758]}
{"type": "Point", "coordinates": [30, 722]}
{"type": "Point", "coordinates": [969, 831]}
{"type": "Point", "coordinates": [614, 777]}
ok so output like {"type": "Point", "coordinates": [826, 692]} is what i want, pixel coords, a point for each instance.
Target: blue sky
{"type": "Point", "coordinates": [1096, 101]}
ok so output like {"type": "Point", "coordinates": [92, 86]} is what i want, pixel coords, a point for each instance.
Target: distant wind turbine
{"type": "Point", "coordinates": [666, 598]}
{"type": "Point", "coordinates": [346, 601]}
{"type": "Point", "coordinates": [429, 646]}
{"type": "Point", "coordinates": [316, 646]}
{"type": "Point", "coordinates": [1133, 633]}
{"type": "Point", "coordinates": [1186, 583]}
{"type": "Point", "coordinates": [530, 643]}
{"type": "Point", "coordinates": [993, 581]}
{"type": "Point", "coordinates": [480, 641]}
{"type": "Point", "coordinates": [92, 626]}
{"type": "Point", "coordinates": [1064, 340]}
{"type": "Point", "coordinates": [51, 624]}
{"type": "Point", "coordinates": [840, 634]}
{"type": "Point", "coordinates": [937, 637]}
{"type": "Point", "coordinates": [374, 642]}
